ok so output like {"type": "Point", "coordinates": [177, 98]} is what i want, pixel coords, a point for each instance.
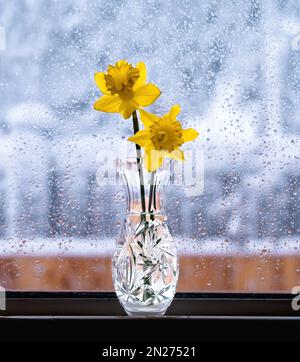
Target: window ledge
{"type": "Point", "coordinates": [185, 305]}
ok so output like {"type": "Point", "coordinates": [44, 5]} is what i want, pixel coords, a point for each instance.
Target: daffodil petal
{"type": "Point", "coordinates": [153, 159]}
{"type": "Point", "coordinates": [147, 118]}
{"type": "Point", "coordinates": [143, 75]}
{"type": "Point", "coordinates": [177, 155]}
{"type": "Point", "coordinates": [146, 94]}
{"type": "Point", "coordinates": [174, 111]}
{"type": "Point", "coordinates": [100, 81]}
{"type": "Point", "coordinates": [141, 138]}
{"type": "Point", "coordinates": [127, 108]}
{"type": "Point", "coordinates": [110, 104]}
{"type": "Point", "coordinates": [189, 134]}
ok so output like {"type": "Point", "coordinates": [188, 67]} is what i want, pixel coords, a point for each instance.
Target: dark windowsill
{"type": "Point", "coordinates": [192, 317]}
{"type": "Point", "coordinates": [185, 305]}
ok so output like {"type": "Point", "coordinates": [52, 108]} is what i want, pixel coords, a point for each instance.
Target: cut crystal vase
{"type": "Point", "coordinates": [145, 261]}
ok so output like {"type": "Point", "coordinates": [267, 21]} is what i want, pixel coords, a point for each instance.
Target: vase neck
{"type": "Point", "coordinates": [153, 189]}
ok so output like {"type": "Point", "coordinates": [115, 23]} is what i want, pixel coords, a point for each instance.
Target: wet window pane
{"type": "Point", "coordinates": [234, 67]}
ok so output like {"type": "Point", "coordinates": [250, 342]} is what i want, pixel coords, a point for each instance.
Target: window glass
{"type": "Point", "coordinates": [234, 67]}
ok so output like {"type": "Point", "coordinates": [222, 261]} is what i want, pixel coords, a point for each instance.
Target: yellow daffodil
{"type": "Point", "coordinates": [124, 89]}
{"type": "Point", "coordinates": [162, 137]}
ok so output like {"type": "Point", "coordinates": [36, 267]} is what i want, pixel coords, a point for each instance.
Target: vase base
{"type": "Point", "coordinates": [134, 310]}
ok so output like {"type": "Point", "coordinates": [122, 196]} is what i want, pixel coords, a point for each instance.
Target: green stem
{"type": "Point", "coordinates": [151, 195]}
{"type": "Point", "coordinates": [135, 123]}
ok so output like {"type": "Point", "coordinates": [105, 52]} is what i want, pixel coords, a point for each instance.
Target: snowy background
{"type": "Point", "coordinates": [234, 67]}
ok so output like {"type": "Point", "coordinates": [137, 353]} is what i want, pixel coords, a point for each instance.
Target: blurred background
{"type": "Point", "coordinates": [234, 67]}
